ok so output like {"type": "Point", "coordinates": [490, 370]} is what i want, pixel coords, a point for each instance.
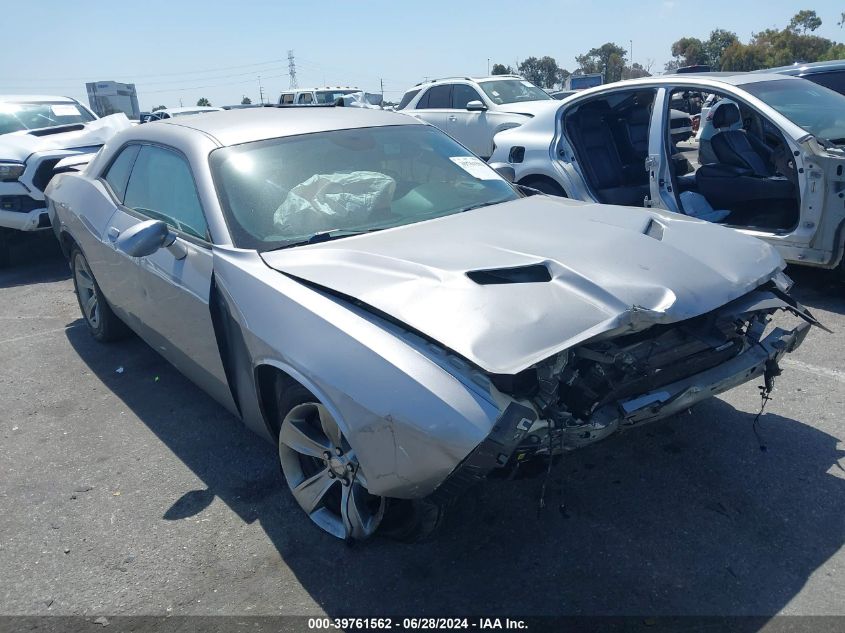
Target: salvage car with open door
{"type": "Point", "coordinates": [768, 159]}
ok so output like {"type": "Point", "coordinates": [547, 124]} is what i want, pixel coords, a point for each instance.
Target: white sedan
{"type": "Point", "coordinates": [773, 167]}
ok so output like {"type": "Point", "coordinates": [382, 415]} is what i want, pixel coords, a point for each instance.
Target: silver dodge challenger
{"type": "Point", "coordinates": [396, 316]}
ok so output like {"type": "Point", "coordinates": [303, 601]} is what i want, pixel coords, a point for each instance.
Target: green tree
{"type": "Point", "coordinates": [716, 45]}
{"type": "Point", "coordinates": [635, 71]}
{"type": "Point", "coordinates": [542, 71]}
{"type": "Point", "coordinates": [688, 51]}
{"type": "Point", "coordinates": [246, 101]}
{"type": "Point", "coordinates": [743, 57]}
{"type": "Point", "coordinates": [803, 21]}
{"type": "Point", "coordinates": [608, 59]}
{"type": "Point", "coordinates": [203, 102]}
{"type": "Point", "coordinates": [501, 69]}
{"type": "Point", "coordinates": [159, 107]}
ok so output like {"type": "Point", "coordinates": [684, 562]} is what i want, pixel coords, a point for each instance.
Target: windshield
{"type": "Point", "coordinates": [815, 108]}
{"type": "Point", "coordinates": [282, 192]}
{"type": "Point", "coordinates": [513, 91]}
{"type": "Point", "coordinates": [15, 117]}
{"type": "Point", "coordinates": [330, 96]}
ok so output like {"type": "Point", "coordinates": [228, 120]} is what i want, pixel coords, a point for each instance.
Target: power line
{"type": "Point", "coordinates": [292, 70]}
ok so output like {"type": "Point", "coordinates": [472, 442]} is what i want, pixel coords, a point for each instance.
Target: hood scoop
{"type": "Point", "coordinates": [654, 229]}
{"type": "Point", "coordinates": [534, 273]}
{"type": "Point", "coordinates": [59, 129]}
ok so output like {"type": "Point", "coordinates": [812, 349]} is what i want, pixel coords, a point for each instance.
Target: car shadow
{"type": "Point", "coordinates": [35, 259]}
{"type": "Point", "coordinates": [683, 517]}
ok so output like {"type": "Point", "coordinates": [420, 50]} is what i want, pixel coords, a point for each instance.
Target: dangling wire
{"type": "Point", "coordinates": [765, 396]}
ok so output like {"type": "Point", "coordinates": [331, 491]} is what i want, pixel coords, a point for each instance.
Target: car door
{"type": "Point", "coordinates": [435, 106]}
{"type": "Point", "coordinates": [474, 129]}
{"type": "Point", "coordinates": [169, 290]}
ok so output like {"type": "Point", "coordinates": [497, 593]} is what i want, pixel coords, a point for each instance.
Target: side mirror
{"type": "Point", "coordinates": [476, 106]}
{"type": "Point", "coordinates": [505, 171]}
{"type": "Point", "coordinates": [145, 238]}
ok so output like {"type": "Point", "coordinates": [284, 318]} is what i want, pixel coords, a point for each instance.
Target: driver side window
{"type": "Point", "coordinates": [462, 95]}
{"type": "Point", "coordinates": [162, 187]}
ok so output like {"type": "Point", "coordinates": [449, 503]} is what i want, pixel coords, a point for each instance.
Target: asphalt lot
{"type": "Point", "coordinates": [131, 492]}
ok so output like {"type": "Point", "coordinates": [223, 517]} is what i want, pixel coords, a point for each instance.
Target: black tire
{"type": "Point", "coordinates": [545, 185]}
{"type": "Point", "coordinates": [5, 255]}
{"type": "Point", "coordinates": [404, 520]}
{"type": "Point", "coordinates": [103, 324]}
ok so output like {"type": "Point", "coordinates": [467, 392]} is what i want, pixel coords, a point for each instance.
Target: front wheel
{"type": "Point", "coordinates": [102, 323]}
{"type": "Point", "coordinates": [322, 470]}
{"type": "Point", "coordinates": [325, 478]}
{"type": "Point", "coordinates": [5, 256]}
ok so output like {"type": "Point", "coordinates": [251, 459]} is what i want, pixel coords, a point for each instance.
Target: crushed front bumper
{"type": "Point", "coordinates": [34, 220]}
{"type": "Point", "coordinates": [506, 440]}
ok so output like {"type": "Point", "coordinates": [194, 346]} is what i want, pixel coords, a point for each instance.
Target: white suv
{"type": "Point", "coordinates": [473, 110]}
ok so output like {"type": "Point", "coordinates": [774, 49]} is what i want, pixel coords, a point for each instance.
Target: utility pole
{"type": "Point", "coordinates": [260, 91]}
{"type": "Point", "coordinates": [292, 70]}
{"type": "Point", "coordinates": [488, 66]}
{"type": "Point", "coordinates": [381, 83]}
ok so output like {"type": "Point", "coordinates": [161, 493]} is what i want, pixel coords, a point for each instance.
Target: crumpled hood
{"type": "Point", "coordinates": [18, 146]}
{"type": "Point", "coordinates": [610, 268]}
{"type": "Point", "coordinates": [530, 107]}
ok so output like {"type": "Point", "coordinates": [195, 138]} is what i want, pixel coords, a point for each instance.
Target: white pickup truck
{"type": "Point", "coordinates": [39, 137]}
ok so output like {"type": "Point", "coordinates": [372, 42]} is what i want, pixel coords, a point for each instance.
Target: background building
{"type": "Point", "coordinates": [110, 97]}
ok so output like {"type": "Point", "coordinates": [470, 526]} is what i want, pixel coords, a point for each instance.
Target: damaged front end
{"type": "Point", "coordinates": [584, 394]}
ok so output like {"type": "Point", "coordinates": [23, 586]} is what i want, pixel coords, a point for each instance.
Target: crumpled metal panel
{"type": "Point", "coordinates": [607, 275]}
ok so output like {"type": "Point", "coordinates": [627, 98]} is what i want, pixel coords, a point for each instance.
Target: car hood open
{"type": "Point", "coordinates": [509, 285]}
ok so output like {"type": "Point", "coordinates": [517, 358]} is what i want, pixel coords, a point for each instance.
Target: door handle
{"type": "Point", "coordinates": [452, 117]}
{"type": "Point", "coordinates": [113, 233]}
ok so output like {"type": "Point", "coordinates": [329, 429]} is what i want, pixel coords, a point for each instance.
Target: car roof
{"type": "Point", "coordinates": [232, 127]}
{"type": "Point", "coordinates": [733, 79]}
{"type": "Point", "coordinates": [35, 98]}
{"type": "Point", "coordinates": [807, 69]}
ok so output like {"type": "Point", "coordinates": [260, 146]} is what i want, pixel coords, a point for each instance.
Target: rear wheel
{"type": "Point", "coordinates": [103, 324]}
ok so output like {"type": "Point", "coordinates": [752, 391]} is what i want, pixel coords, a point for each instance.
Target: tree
{"type": "Point", "coordinates": [543, 72]}
{"type": "Point", "coordinates": [608, 59]}
{"type": "Point", "coordinates": [716, 45]}
{"type": "Point", "coordinates": [634, 71]}
{"type": "Point", "coordinates": [803, 21]}
{"type": "Point", "coordinates": [203, 102]}
{"type": "Point", "coordinates": [501, 69]}
{"type": "Point", "coordinates": [159, 107]}
{"type": "Point", "coordinates": [246, 101]}
{"type": "Point", "coordinates": [743, 57]}
{"type": "Point", "coordinates": [688, 51]}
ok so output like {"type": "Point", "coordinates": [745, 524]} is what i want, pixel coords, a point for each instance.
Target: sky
{"type": "Point", "coordinates": [176, 52]}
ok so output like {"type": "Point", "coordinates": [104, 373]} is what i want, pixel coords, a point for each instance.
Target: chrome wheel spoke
{"type": "Point", "coordinates": [84, 281]}
{"type": "Point", "coordinates": [310, 492]}
{"type": "Point", "coordinates": [301, 437]}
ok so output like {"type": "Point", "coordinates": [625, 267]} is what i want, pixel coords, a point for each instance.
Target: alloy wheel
{"type": "Point", "coordinates": [323, 474]}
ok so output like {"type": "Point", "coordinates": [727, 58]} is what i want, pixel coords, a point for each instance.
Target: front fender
{"type": "Point", "coordinates": [410, 420]}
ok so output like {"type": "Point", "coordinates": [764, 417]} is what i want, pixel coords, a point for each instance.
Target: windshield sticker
{"type": "Point", "coordinates": [475, 167]}
{"type": "Point", "coordinates": [65, 110]}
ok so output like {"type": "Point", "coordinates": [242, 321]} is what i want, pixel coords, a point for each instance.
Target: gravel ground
{"type": "Point", "coordinates": [128, 491]}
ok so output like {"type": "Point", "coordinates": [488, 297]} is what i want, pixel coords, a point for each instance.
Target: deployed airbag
{"type": "Point", "coordinates": [334, 201]}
